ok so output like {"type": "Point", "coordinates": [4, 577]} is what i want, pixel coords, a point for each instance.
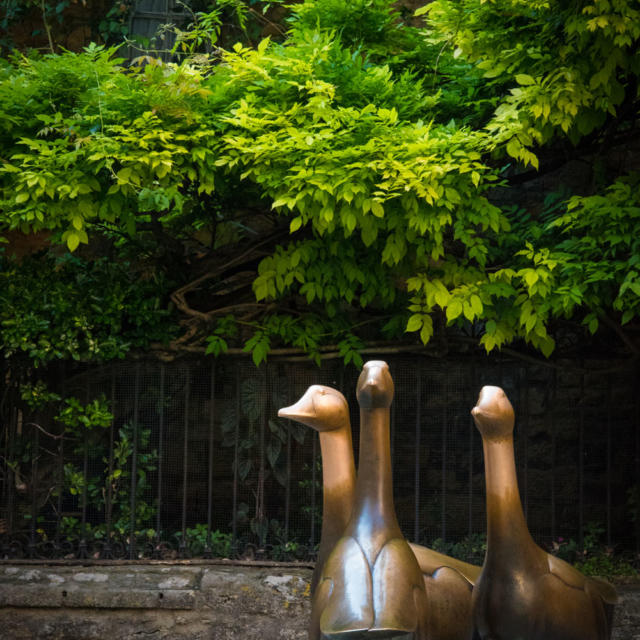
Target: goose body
{"type": "Point", "coordinates": [523, 592]}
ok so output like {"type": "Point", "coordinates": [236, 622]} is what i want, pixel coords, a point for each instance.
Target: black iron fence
{"type": "Point", "coordinates": [191, 459]}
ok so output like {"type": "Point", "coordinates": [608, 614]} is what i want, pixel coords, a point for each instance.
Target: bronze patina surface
{"type": "Point", "coordinates": [371, 585]}
{"type": "Point", "coordinates": [524, 592]}
{"type": "Point", "coordinates": [447, 581]}
{"type": "Point", "coordinates": [325, 410]}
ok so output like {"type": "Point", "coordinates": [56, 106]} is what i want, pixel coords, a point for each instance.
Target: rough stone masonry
{"type": "Point", "coordinates": [175, 601]}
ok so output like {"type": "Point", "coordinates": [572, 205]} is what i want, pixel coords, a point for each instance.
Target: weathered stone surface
{"type": "Point", "coordinates": [170, 602]}
{"type": "Point", "coordinates": [626, 623]}
{"type": "Point", "coordinates": [179, 602]}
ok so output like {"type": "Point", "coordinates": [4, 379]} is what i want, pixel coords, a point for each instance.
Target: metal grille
{"type": "Point", "coordinates": [147, 24]}
{"type": "Point", "coordinates": [210, 470]}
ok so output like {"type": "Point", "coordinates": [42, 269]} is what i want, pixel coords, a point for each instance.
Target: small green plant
{"type": "Point", "coordinates": [592, 557]}
{"type": "Point", "coordinates": [283, 548]}
{"type": "Point", "coordinates": [470, 549]}
{"type": "Point", "coordinates": [198, 539]}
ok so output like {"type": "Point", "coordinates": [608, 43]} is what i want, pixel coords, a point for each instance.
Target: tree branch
{"type": "Point", "coordinates": [619, 331]}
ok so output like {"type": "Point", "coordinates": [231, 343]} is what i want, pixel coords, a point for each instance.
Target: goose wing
{"type": "Point", "coordinates": [396, 579]}
{"type": "Point", "coordinates": [430, 561]}
{"type": "Point", "coordinates": [344, 601]}
{"type": "Point", "coordinates": [572, 577]}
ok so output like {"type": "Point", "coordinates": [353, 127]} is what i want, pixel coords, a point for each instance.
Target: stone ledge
{"type": "Point", "coordinates": [199, 601]}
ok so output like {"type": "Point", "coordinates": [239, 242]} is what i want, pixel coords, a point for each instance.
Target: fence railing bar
{"type": "Point", "coordinates": [416, 461]}
{"type": "Point", "coordinates": [637, 456]}
{"type": "Point", "coordinates": [609, 427]}
{"type": "Point", "coordinates": [552, 416]}
{"type": "Point", "coordinates": [581, 454]}
{"type": "Point", "coordinates": [445, 421]}
{"type": "Point", "coordinates": [261, 476]}
{"type": "Point", "coordinates": [474, 384]}
{"type": "Point", "coordinates": [107, 550]}
{"type": "Point", "coordinates": [161, 427]}
{"type": "Point", "coordinates": [524, 431]}
{"type": "Point", "coordinates": [212, 415]}
{"type": "Point", "coordinates": [185, 463]}
{"type": "Point", "coordinates": [35, 443]}
{"type": "Point", "coordinates": [287, 486]}
{"type": "Point", "coordinates": [60, 479]}
{"type": "Point", "coordinates": [4, 452]}
{"type": "Point", "coordinates": [134, 464]}
{"type": "Point", "coordinates": [234, 515]}
{"type": "Point", "coordinates": [11, 475]}
{"type": "Point", "coordinates": [60, 485]}
{"type": "Point", "coordinates": [637, 453]}
{"type": "Point", "coordinates": [82, 548]}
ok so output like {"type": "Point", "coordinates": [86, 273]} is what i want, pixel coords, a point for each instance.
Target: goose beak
{"type": "Point", "coordinates": [303, 410]}
{"type": "Point", "coordinates": [321, 408]}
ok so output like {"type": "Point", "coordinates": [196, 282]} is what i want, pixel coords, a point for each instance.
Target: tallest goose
{"type": "Point", "coordinates": [371, 585]}
{"type": "Point", "coordinates": [523, 592]}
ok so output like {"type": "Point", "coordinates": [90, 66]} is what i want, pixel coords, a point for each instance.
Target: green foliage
{"type": "Point", "coordinates": [198, 539]}
{"type": "Point", "coordinates": [76, 416]}
{"type": "Point", "coordinates": [110, 492]}
{"type": "Point", "coordinates": [568, 66]}
{"type": "Point", "coordinates": [359, 21]}
{"type": "Point", "coordinates": [470, 549]}
{"type": "Point", "coordinates": [71, 308]}
{"type": "Point", "coordinates": [362, 154]}
{"type": "Point", "coordinates": [592, 557]}
{"type": "Point", "coordinates": [92, 145]}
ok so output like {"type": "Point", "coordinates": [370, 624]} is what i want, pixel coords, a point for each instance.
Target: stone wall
{"type": "Point", "coordinates": [156, 601]}
{"type": "Point", "coordinates": [175, 601]}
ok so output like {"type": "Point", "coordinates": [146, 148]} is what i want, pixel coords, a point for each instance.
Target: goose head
{"type": "Point", "coordinates": [321, 408]}
{"type": "Point", "coordinates": [493, 413]}
{"type": "Point", "coordinates": [375, 386]}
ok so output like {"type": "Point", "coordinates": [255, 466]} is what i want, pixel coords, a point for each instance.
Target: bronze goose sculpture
{"type": "Point", "coordinates": [325, 410]}
{"type": "Point", "coordinates": [448, 581]}
{"type": "Point", "coordinates": [371, 585]}
{"type": "Point", "coordinates": [523, 592]}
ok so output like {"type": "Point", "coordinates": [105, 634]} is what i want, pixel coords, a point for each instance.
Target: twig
{"type": "Point", "coordinates": [46, 25]}
{"type": "Point", "coordinates": [51, 435]}
{"type": "Point", "coordinates": [620, 333]}
{"type": "Point", "coordinates": [178, 296]}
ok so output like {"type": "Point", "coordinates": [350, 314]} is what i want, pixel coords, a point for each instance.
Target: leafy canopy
{"type": "Point", "coordinates": [365, 171]}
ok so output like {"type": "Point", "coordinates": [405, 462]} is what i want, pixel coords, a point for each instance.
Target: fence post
{"type": "Point", "coordinates": [207, 546]}
{"type": "Point", "coordinates": [552, 422]}
{"type": "Point", "coordinates": [581, 462]}
{"type": "Point", "coordinates": [35, 444]}
{"type": "Point", "coordinates": [134, 465]}
{"type": "Point", "coordinates": [107, 549]}
{"type": "Point", "coordinates": [158, 545]}
{"type": "Point", "coordinates": [445, 420]}
{"type": "Point", "coordinates": [185, 465]}
{"type": "Point", "coordinates": [82, 547]}
{"type": "Point", "coordinates": [234, 516]}
{"type": "Point", "coordinates": [416, 462]}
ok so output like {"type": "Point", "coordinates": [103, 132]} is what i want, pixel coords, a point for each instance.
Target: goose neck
{"type": "Point", "coordinates": [505, 517]}
{"type": "Point", "coordinates": [338, 480]}
{"type": "Point", "coordinates": [374, 486]}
